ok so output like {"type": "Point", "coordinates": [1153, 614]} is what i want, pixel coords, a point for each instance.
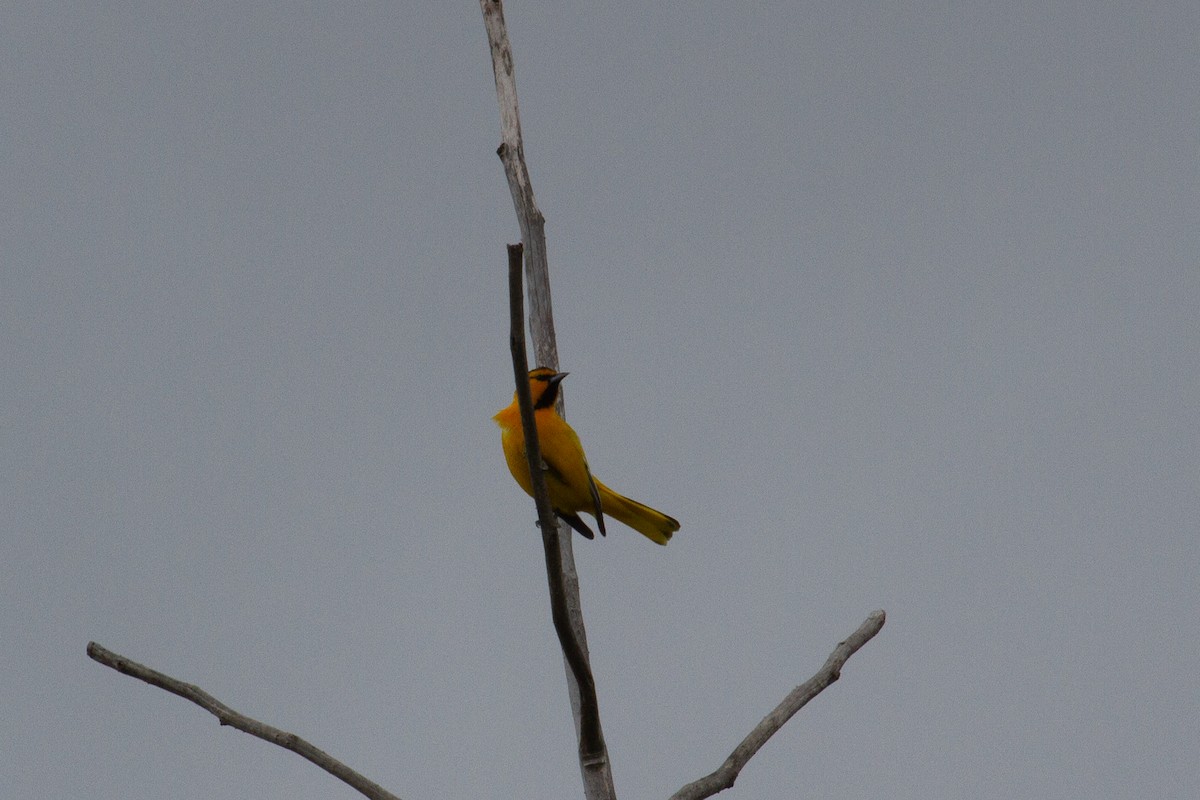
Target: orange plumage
{"type": "Point", "coordinates": [569, 481]}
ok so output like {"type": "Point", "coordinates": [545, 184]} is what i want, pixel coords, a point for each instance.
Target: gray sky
{"type": "Point", "coordinates": [893, 306]}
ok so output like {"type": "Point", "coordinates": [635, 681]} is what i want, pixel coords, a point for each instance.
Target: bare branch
{"type": "Point", "coordinates": [529, 216]}
{"type": "Point", "coordinates": [591, 739]}
{"type": "Point", "coordinates": [594, 766]}
{"type": "Point", "coordinates": [724, 776]}
{"type": "Point", "coordinates": [227, 716]}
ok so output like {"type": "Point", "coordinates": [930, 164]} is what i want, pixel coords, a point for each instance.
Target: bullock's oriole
{"type": "Point", "coordinates": [570, 483]}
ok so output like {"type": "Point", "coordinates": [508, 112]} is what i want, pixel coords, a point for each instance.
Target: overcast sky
{"type": "Point", "coordinates": [891, 305]}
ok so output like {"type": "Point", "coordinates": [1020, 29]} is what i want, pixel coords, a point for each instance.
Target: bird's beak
{"type": "Point", "coordinates": [557, 379]}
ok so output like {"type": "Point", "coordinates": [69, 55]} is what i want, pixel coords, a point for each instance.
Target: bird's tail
{"type": "Point", "coordinates": [654, 525]}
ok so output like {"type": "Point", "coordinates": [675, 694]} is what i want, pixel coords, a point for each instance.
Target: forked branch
{"type": "Point", "coordinates": [594, 763]}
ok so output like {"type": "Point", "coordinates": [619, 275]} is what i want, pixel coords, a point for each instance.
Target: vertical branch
{"type": "Point", "coordinates": [591, 739]}
{"type": "Point", "coordinates": [529, 216]}
{"type": "Point", "coordinates": [560, 561]}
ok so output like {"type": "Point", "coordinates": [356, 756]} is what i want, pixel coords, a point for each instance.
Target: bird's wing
{"type": "Point", "coordinates": [555, 473]}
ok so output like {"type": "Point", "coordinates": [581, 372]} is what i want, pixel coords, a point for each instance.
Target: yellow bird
{"type": "Point", "coordinates": [569, 481]}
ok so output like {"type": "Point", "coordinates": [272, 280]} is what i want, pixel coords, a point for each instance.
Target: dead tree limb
{"type": "Point", "coordinates": [529, 216]}
{"type": "Point", "coordinates": [727, 773]}
{"type": "Point", "coordinates": [591, 739]}
{"type": "Point", "coordinates": [227, 716]}
{"type": "Point", "coordinates": [594, 766]}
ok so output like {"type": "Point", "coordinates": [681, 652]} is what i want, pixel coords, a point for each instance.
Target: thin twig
{"type": "Point", "coordinates": [591, 739]}
{"type": "Point", "coordinates": [227, 716]}
{"type": "Point", "coordinates": [727, 773]}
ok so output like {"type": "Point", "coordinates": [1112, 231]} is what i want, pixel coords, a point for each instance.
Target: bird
{"type": "Point", "coordinates": [569, 480]}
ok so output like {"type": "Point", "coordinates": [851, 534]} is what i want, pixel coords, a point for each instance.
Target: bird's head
{"type": "Point", "coordinates": [543, 386]}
